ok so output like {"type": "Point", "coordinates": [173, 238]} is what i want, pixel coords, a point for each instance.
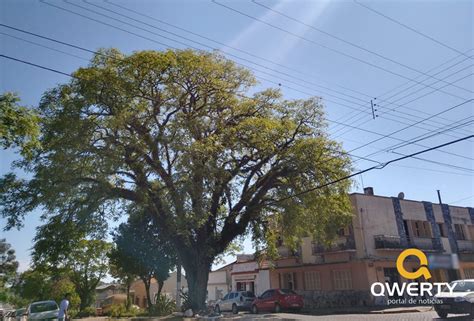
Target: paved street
{"type": "Point", "coordinates": [418, 316]}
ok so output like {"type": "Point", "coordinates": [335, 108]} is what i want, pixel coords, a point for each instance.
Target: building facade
{"type": "Point", "coordinates": [366, 251]}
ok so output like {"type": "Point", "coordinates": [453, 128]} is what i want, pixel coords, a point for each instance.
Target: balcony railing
{"type": "Point", "coordinates": [465, 246]}
{"type": "Point", "coordinates": [394, 242]}
{"type": "Point", "coordinates": [388, 242]}
{"type": "Point", "coordinates": [345, 244]}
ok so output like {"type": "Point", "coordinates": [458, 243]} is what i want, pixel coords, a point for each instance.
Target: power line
{"type": "Point", "coordinates": [462, 199]}
{"type": "Point", "coordinates": [278, 83]}
{"type": "Point", "coordinates": [390, 110]}
{"type": "Point", "coordinates": [216, 41]}
{"type": "Point", "coordinates": [141, 96]}
{"type": "Point", "coordinates": [409, 28]}
{"type": "Point", "coordinates": [427, 136]}
{"type": "Point", "coordinates": [373, 168]}
{"type": "Point", "coordinates": [147, 98]}
{"type": "Point", "coordinates": [328, 48]}
{"type": "Point", "coordinates": [409, 126]}
{"type": "Point", "coordinates": [350, 43]}
{"type": "Point", "coordinates": [224, 45]}
{"type": "Point", "coordinates": [469, 170]}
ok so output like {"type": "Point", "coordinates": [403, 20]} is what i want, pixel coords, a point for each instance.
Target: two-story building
{"type": "Point", "coordinates": [366, 251]}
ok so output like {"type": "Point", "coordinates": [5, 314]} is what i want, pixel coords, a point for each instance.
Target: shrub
{"type": "Point", "coordinates": [185, 303]}
{"type": "Point", "coordinates": [120, 310]}
{"type": "Point", "coordinates": [87, 312]}
{"type": "Point", "coordinates": [163, 306]}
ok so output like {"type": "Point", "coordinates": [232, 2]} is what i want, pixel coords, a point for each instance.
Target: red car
{"type": "Point", "coordinates": [277, 300]}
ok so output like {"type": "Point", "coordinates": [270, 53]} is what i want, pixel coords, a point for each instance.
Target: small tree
{"type": "Point", "coordinates": [8, 268]}
{"type": "Point", "coordinates": [140, 251]}
{"type": "Point", "coordinates": [63, 249]}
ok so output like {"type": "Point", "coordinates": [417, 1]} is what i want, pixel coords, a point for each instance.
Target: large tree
{"type": "Point", "coordinates": [139, 250]}
{"type": "Point", "coordinates": [184, 136]}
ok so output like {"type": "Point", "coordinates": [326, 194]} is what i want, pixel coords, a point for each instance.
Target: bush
{"type": "Point", "coordinates": [163, 306]}
{"type": "Point", "coordinates": [185, 303]}
{"type": "Point", "coordinates": [120, 310]}
{"type": "Point", "coordinates": [87, 312]}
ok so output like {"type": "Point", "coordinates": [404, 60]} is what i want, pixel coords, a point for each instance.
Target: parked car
{"type": "Point", "coordinates": [20, 314]}
{"type": "Point", "coordinates": [461, 301]}
{"type": "Point", "coordinates": [43, 310]}
{"type": "Point", "coordinates": [235, 302]}
{"type": "Point", "coordinates": [277, 300]}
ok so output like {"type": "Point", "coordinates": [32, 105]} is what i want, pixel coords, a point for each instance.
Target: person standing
{"type": "Point", "coordinates": [63, 308]}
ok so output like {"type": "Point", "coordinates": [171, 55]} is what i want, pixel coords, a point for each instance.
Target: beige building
{"type": "Point", "coordinates": [138, 294]}
{"type": "Point", "coordinates": [365, 251]}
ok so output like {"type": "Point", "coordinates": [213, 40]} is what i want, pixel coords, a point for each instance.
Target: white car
{"type": "Point", "coordinates": [43, 311]}
{"type": "Point", "coordinates": [460, 301]}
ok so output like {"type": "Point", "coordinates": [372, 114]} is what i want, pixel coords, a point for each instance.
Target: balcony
{"type": "Point", "coordinates": [388, 242]}
{"type": "Point", "coordinates": [465, 246]}
{"type": "Point", "coordinates": [391, 242]}
{"type": "Point", "coordinates": [344, 244]}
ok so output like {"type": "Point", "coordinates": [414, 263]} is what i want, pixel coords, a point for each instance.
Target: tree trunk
{"type": "Point", "coordinates": [147, 282]}
{"type": "Point", "coordinates": [160, 287]}
{"type": "Point", "coordinates": [178, 286]}
{"type": "Point", "coordinates": [197, 274]}
{"type": "Point", "coordinates": [129, 302]}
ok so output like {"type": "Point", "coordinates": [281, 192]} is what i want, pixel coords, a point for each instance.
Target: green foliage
{"type": "Point", "coordinates": [19, 126]}
{"type": "Point", "coordinates": [83, 261]}
{"type": "Point", "coordinates": [87, 312]}
{"type": "Point", "coordinates": [163, 306]}
{"type": "Point", "coordinates": [185, 301]}
{"type": "Point", "coordinates": [139, 250]}
{"type": "Point", "coordinates": [173, 134]}
{"type": "Point", "coordinates": [38, 285]}
{"type": "Point", "coordinates": [8, 266]}
{"type": "Point", "coordinates": [120, 311]}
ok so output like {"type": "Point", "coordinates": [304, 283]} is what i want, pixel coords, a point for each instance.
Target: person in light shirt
{"type": "Point", "coordinates": [63, 308]}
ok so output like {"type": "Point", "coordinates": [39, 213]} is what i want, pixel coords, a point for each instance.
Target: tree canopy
{"type": "Point", "coordinates": [178, 134]}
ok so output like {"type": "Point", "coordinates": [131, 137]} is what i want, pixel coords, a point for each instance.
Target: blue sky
{"type": "Point", "coordinates": [299, 59]}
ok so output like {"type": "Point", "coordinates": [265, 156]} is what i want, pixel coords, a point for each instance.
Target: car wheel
{"type": "Point", "coordinates": [234, 309]}
{"type": "Point", "coordinates": [442, 314]}
{"type": "Point", "coordinates": [254, 309]}
{"type": "Point", "coordinates": [277, 308]}
{"type": "Point", "coordinates": [217, 309]}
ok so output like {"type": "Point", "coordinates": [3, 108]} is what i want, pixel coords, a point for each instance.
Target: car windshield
{"type": "Point", "coordinates": [463, 287]}
{"type": "Point", "coordinates": [287, 291]}
{"type": "Point", "coordinates": [43, 307]}
{"type": "Point", "coordinates": [248, 294]}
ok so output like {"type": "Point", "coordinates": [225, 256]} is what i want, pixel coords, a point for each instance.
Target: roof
{"type": "Point", "coordinates": [107, 286]}
{"type": "Point", "coordinates": [403, 199]}
{"type": "Point", "coordinates": [225, 266]}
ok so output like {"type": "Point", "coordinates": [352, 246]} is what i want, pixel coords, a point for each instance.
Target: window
{"type": "Point", "coordinates": [342, 280]}
{"type": "Point", "coordinates": [267, 294]}
{"type": "Point", "coordinates": [346, 231]}
{"type": "Point", "coordinates": [233, 295]}
{"type": "Point", "coordinates": [421, 229]}
{"type": "Point", "coordinates": [312, 280]}
{"type": "Point", "coordinates": [288, 280]}
{"type": "Point", "coordinates": [226, 296]}
{"type": "Point", "coordinates": [469, 273]}
{"type": "Point", "coordinates": [459, 231]}
{"type": "Point", "coordinates": [442, 230]}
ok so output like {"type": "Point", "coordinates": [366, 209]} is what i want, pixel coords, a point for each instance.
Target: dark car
{"type": "Point", "coordinates": [461, 300]}
{"type": "Point", "coordinates": [277, 300]}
